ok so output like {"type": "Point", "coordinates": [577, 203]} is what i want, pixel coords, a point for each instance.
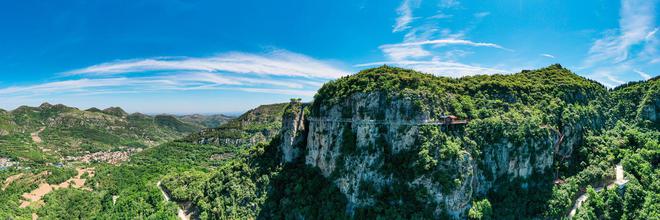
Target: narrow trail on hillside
{"type": "Point", "coordinates": [35, 136]}
{"type": "Point", "coordinates": [620, 180]}
{"type": "Point", "coordinates": [180, 212]}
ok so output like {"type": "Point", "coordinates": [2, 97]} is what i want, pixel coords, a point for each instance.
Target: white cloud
{"type": "Point", "coordinates": [608, 75]}
{"type": "Point", "coordinates": [305, 93]}
{"type": "Point", "coordinates": [278, 63]}
{"type": "Point", "coordinates": [405, 15]}
{"type": "Point", "coordinates": [453, 55]}
{"type": "Point", "coordinates": [169, 82]}
{"type": "Point", "coordinates": [440, 15]}
{"type": "Point", "coordinates": [440, 68]}
{"type": "Point", "coordinates": [444, 42]}
{"type": "Point", "coordinates": [547, 55]}
{"type": "Point", "coordinates": [651, 34]}
{"type": "Point", "coordinates": [405, 50]}
{"type": "Point", "coordinates": [449, 3]}
{"type": "Point", "coordinates": [644, 75]}
{"type": "Point", "coordinates": [481, 14]}
{"type": "Point", "coordinates": [279, 72]}
{"type": "Point", "coordinates": [635, 26]}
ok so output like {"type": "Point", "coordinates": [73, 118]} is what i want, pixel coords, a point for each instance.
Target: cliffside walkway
{"type": "Point", "coordinates": [385, 122]}
{"type": "Point", "coordinates": [620, 180]}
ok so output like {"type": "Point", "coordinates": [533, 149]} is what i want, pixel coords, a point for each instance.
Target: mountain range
{"type": "Point", "coordinates": [384, 143]}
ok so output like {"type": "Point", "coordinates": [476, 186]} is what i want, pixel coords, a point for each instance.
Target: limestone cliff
{"type": "Point", "coordinates": [387, 133]}
{"type": "Point", "coordinates": [293, 133]}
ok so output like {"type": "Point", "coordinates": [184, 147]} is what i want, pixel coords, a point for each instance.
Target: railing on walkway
{"type": "Point", "coordinates": [386, 122]}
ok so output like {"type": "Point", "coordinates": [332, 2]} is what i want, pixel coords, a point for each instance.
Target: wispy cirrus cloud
{"type": "Point", "coordinates": [444, 42]}
{"type": "Point", "coordinates": [449, 3]}
{"type": "Point", "coordinates": [644, 75]}
{"type": "Point", "coordinates": [276, 72]}
{"type": "Point", "coordinates": [404, 50]}
{"type": "Point", "coordinates": [619, 54]}
{"type": "Point", "coordinates": [405, 15]}
{"type": "Point", "coordinates": [481, 15]}
{"type": "Point", "coordinates": [426, 46]}
{"type": "Point", "coordinates": [172, 82]}
{"type": "Point", "coordinates": [437, 67]}
{"type": "Point", "coordinates": [547, 55]}
{"type": "Point", "coordinates": [636, 26]}
{"type": "Point", "coordinates": [277, 63]}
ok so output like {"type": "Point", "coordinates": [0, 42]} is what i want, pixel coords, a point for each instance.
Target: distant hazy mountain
{"type": "Point", "coordinates": [256, 125]}
{"type": "Point", "coordinates": [206, 121]}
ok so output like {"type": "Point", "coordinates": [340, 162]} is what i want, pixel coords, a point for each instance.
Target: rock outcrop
{"type": "Point", "coordinates": [293, 134]}
{"type": "Point", "coordinates": [368, 142]}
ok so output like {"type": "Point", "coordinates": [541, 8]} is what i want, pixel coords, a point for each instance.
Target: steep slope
{"type": "Point", "coordinates": [377, 136]}
{"type": "Point", "coordinates": [638, 101]}
{"type": "Point", "coordinates": [394, 143]}
{"type": "Point", "coordinates": [256, 125]}
{"type": "Point", "coordinates": [632, 141]}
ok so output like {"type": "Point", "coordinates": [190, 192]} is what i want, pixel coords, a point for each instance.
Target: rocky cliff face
{"type": "Point", "coordinates": [377, 145]}
{"type": "Point", "coordinates": [293, 134]}
{"type": "Point", "coordinates": [373, 144]}
{"type": "Point", "coordinates": [650, 106]}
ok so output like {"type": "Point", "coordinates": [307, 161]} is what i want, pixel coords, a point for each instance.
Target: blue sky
{"type": "Point", "coordinates": [186, 56]}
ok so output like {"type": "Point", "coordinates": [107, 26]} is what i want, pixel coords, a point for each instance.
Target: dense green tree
{"type": "Point", "coordinates": [481, 210]}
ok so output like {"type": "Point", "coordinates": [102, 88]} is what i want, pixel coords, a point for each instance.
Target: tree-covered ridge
{"type": "Point", "coordinates": [526, 87]}
{"type": "Point", "coordinates": [49, 133]}
{"type": "Point", "coordinates": [207, 121]}
{"type": "Point", "coordinates": [256, 125]}
{"type": "Point", "coordinates": [633, 140]}
{"type": "Point", "coordinates": [637, 102]}
{"type": "Point", "coordinates": [523, 109]}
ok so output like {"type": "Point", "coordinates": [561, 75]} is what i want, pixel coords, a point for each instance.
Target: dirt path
{"type": "Point", "coordinates": [35, 136]}
{"type": "Point", "coordinates": [45, 188]}
{"type": "Point", "coordinates": [10, 180]}
{"type": "Point", "coordinates": [620, 180]}
{"type": "Point", "coordinates": [180, 212]}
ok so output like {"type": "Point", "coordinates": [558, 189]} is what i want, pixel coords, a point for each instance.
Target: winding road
{"type": "Point", "coordinates": [180, 212]}
{"type": "Point", "coordinates": [620, 180]}
{"type": "Point", "coordinates": [35, 136]}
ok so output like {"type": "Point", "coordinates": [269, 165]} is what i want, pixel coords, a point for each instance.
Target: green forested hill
{"type": "Point", "coordinates": [566, 127]}
{"type": "Point", "coordinates": [49, 133]}
{"type": "Point", "coordinates": [206, 121]}
{"type": "Point", "coordinates": [525, 146]}
{"type": "Point", "coordinates": [638, 101]}
{"type": "Point", "coordinates": [256, 125]}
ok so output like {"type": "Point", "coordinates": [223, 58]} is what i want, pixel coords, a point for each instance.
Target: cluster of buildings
{"type": "Point", "coordinates": [113, 157]}
{"type": "Point", "coordinates": [6, 163]}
